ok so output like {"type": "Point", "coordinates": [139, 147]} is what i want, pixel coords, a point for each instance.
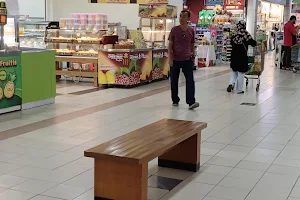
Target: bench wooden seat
{"type": "Point", "coordinates": [121, 165]}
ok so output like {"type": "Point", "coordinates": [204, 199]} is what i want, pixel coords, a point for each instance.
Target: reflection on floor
{"type": "Point", "coordinates": [248, 152]}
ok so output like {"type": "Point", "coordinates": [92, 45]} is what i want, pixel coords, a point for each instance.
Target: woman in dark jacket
{"type": "Point", "coordinates": [240, 41]}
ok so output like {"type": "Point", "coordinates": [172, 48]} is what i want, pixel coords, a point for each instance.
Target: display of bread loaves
{"type": "Point", "coordinates": [83, 43]}
{"type": "Point", "coordinates": [129, 44]}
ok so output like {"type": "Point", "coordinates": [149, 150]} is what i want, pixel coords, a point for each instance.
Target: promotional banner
{"type": "Point", "coordinates": [234, 4]}
{"type": "Point", "coordinates": [214, 2]}
{"type": "Point", "coordinates": [161, 67]}
{"type": "Point", "coordinates": [130, 1]}
{"type": "Point", "coordinates": [124, 68]}
{"type": "Point", "coordinates": [158, 10]}
{"type": "Point", "coordinates": [10, 82]}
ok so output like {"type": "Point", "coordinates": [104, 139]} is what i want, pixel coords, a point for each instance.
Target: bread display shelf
{"type": "Point", "coordinates": [78, 73]}
{"type": "Point", "coordinates": [73, 41]}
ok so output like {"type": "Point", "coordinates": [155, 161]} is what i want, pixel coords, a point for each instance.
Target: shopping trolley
{"type": "Point", "coordinates": [256, 56]}
{"type": "Point", "coordinates": [295, 59]}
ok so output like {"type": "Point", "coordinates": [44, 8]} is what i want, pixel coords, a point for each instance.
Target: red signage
{"type": "Point", "coordinates": [234, 4]}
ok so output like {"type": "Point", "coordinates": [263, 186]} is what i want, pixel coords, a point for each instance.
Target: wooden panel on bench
{"type": "Point", "coordinates": [121, 165]}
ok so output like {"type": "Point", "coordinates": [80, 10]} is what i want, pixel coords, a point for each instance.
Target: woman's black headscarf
{"type": "Point", "coordinates": [241, 34]}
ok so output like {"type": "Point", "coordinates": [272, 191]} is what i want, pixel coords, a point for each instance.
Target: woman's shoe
{"type": "Point", "coordinates": [242, 92]}
{"type": "Point", "coordinates": [229, 88]}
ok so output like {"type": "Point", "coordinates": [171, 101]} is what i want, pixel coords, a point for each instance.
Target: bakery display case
{"type": "Point", "coordinates": [156, 22]}
{"type": "Point", "coordinates": [32, 34]}
{"type": "Point", "coordinates": [74, 42]}
{"type": "Point", "coordinates": [78, 48]}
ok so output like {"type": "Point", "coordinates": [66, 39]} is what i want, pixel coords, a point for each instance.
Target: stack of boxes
{"type": "Point", "coordinates": [85, 21]}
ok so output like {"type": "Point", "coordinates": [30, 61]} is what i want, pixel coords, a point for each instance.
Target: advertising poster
{"type": "Point", "coordinates": [10, 82]}
{"type": "Point", "coordinates": [124, 68]}
{"type": "Point", "coordinates": [159, 10]}
{"type": "Point", "coordinates": [213, 2]}
{"type": "Point", "coordinates": [160, 64]}
{"type": "Point", "coordinates": [171, 11]}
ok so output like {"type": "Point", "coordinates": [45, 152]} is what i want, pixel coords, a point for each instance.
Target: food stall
{"type": "Point", "coordinates": [19, 89]}
{"type": "Point", "coordinates": [144, 57]}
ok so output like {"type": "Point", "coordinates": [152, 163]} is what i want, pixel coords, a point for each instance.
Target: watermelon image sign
{"type": "Point", "coordinates": [10, 82]}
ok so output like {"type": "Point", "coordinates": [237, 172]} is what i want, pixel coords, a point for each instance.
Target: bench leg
{"type": "Point", "coordinates": [120, 180]}
{"type": "Point", "coordinates": [185, 155]}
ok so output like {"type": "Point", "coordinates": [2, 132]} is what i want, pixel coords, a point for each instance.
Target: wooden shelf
{"type": "Point", "coordinates": [77, 59]}
{"type": "Point", "coordinates": [89, 74]}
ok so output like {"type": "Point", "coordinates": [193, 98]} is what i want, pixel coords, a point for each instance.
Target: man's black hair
{"type": "Point", "coordinates": [187, 11]}
{"type": "Point", "coordinates": [293, 17]}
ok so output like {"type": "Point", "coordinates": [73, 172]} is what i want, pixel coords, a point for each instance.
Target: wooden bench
{"type": "Point", "coordinates": [121, 165]}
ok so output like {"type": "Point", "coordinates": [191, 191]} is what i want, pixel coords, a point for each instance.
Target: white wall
{"type": "Point", "coordinates": [33, 8]}
{"type": "Point", "coordinates": [126, 14]}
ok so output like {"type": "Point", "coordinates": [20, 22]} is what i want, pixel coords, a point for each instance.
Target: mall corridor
{"type": "Point", "coordinates": [247, 152]}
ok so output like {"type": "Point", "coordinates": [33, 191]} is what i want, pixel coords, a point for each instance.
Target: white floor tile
{"type": "Point", "coordinates": [8, 181]}
{"type": "Point", "coordinates": [40, 197]}
{"type": "Point", "coordinates": [34, 186]}
{"type": "Point", "coordinates": [277, 169]}
{"type": "Point", "coordinates": [259, 158]}
{"type": "Point", "coordinates": [155, 193]}
{"type": "Point", "coordinates": [15, 195]}
{"type": "Point", "coordinates": [245, 174]}
{"type": "Point", "coordinates": [65, 192]}
{"type": "Point", "coordinates": [253, 165]}
{"type": "Point", "coordinates": [295, 192]}
{"type": "Point", "coordinates": [228, 162]}
{"type": "Point", "coordinates": [89, 195]}
{"type": "Point", "coordinates": [7, 167]}
{"type": "Point", "coordinates": [238, 183]}
{"type": "Point", "coordinates": [228, 193]}
{"type": "Point", "coordinates": [214, 169]}
{"type": "Point", "coordinates": [212, 179]}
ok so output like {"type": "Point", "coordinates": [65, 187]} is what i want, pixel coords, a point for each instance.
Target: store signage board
{"type": "Point", "coordinates": [214, 2]}
{"type": "Point", "coordinates": [130, 1]}
{"type": "Point", "coordinates": [12, 7]}
{"type": "Point", "coordinates": [234, 4]}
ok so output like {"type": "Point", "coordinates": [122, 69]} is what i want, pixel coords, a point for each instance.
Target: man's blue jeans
{"type": "Point", "coordinates": [187, 69]}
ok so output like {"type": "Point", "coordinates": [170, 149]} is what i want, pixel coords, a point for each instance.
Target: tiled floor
{"type": "Point", "coordinates": [248, 152]}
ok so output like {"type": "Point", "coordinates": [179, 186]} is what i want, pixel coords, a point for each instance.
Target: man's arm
{"type": "Point", "coordinates": [193, 45]}
{"type": "Point", "coordinates": [292, 30]}
{"type": "Point", "coordinates": [170, 52]}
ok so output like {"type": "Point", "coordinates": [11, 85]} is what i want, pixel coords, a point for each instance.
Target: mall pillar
{"type": "Point", "coordinates": [287, 11]}
{"type": "Point", "coordinates": [252, 17]}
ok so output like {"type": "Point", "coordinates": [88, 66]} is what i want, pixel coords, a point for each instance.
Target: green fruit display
{"type": "Point", "coordinates": [3, 75]}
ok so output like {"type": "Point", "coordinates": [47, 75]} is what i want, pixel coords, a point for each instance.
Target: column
{"type": "Point", "coordinates": [252, 17]}
{"type": "Point", "coordinates": [287, 11]}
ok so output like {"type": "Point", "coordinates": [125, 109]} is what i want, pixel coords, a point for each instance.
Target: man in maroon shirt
{"type": "Point", "coordinates": [181, 52]}
{"type": "Point", "coordinates": [289, 40]}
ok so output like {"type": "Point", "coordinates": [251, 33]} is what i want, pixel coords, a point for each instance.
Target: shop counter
{"type": "Point", "coordinates": [129, 67]}
{"type": "Point", "coordinates": [38, 77]}
{"type": "Point", "coordinates": [27, 79]}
